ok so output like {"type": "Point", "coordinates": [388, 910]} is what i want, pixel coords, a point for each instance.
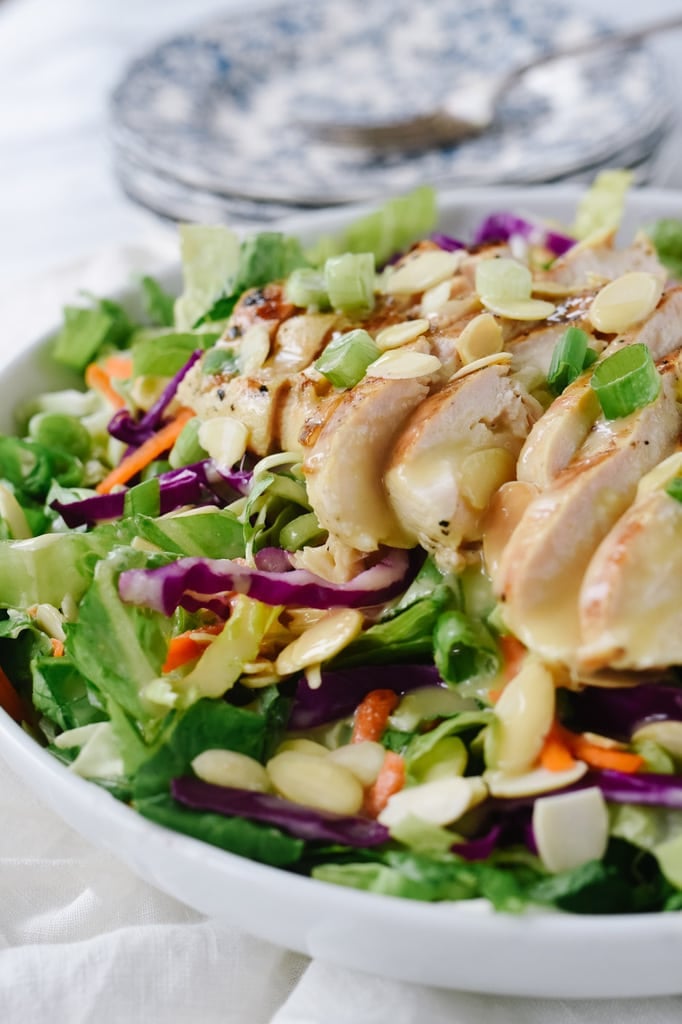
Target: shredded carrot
{"type": "Point", "coordinates": [186, 647]}
{"type": "Point", "coordinates": [495, 694]}
{"type": "Point", "coordinates": [513, 652]}
{"type": "Point", "coordinates": [601, 757]}
{"type": "Point", "coordinates": [57, 648]}
{"type": "Point", "coordinates": [97, 379]}
{"type": "Point", "coordinates": [390, 780]}
{"type": "Point", "coordinates": [118, 366]}
{"type": "Point", "coordinates": [556, 755]}
{"type": "Point", "coordinates": [146, 453]}
{"type": "Point", "coordinates": [10, 700]}
{"type": "Point", "coordinates": [372, 715]}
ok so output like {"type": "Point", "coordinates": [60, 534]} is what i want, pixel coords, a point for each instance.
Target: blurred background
{"type": "Point", "coordinates": [106, 126]}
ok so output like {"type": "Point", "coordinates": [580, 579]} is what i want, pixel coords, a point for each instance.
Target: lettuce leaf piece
{"type": "Point", "coordinates": [118, 647]}
{"type": "Point", "coordinates": [601, 207]}
{"type": "Point", "coordinates": [206, 725]}
{"type": "Point", "coordinates": [432, 877]}
{"type": "Point", "coordinates": [61, 693]}
{"type": "Point", "coordinates": [162, 355]}
{"type": "Point", "coordinates": [666, 235]}
{"type": "Point", "coordinates": [210, 258]}
{"type": "Point", "coordinates": [31, 468]}
{"type": "Point", "coordinates": [217, 269]}
{"type": "Point", "coordinates": [464, 648]}
{"type": "Point", "coordinates": [395, 225]}
{"type": "Point", "coordinates": [160, 304]}
{"type": "Point", "coordinates": [237, 835]}
{"type": "Point", "coordinates": [408, 636]}
{"type": "Point", "coordinates": [627, 880]}
{"type": "Point", "coordinates": [87, 330]}
{"type": "Point", "coordinates": [46, 569]}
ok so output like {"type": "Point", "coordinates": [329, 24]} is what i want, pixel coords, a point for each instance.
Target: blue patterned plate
{"type": "Point", "coordinates": [215, 109]}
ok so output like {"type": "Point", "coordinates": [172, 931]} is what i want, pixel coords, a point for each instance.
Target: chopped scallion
{"type": "Point", "coordinates": [626, 381]}
{"type": "Point", "coordinates": [346, 358]}
{"type": "Point", "coordinates": [674, 488]}
{"type": "Point", "coordinates": [349, 281]}
{"type": "Point", "coordinates": [570, 357]}
{"type": "Point", "coordinates": [305, 287]}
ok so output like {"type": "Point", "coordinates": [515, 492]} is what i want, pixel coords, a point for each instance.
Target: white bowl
{"type": "Point", "coordinates": [453, 945]}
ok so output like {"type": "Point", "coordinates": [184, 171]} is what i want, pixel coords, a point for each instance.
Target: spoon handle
{"type": "Point", "coordinates": [600, 42]}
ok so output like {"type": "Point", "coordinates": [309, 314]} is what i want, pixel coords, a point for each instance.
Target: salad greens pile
{"type": "Point", "coordinates": [143, 615]}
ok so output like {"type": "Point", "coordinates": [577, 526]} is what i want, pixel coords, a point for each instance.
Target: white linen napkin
{"type": "Point", "coordinates": [83, 940]}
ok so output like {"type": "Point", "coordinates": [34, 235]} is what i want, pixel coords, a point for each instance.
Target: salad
{"type": "Point", "coordinates": [363, 561]}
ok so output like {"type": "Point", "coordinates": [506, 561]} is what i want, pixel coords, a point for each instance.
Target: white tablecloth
{"type": "Point", "coordinates": [81, 938]}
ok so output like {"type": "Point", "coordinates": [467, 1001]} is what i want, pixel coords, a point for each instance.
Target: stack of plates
{"type": "Point", "coordinates": [205, 126]}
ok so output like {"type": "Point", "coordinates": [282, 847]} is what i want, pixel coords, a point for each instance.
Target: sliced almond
{"type": "Point", "coordinates": [323, 640]}
{"type": "Point", "coordinates": [571, 828]}
{"type": "Point", "coordinates": [540, 780]}
{"type": "Point", "coordinates": [230, 768]}
{"type": "Point", "coordinates": [627, 301]}
{"type": "Point", "coordinates": [481, 337]}
{"type": "Point", "coordinates": [401, 334]}
{"type": "Point", "coordinates": [521, 309]}
{"type": "Point", "coordinates": [404, 364]}
{"type": "Point", "coordinates": [422, 271]}
{"type": "Point", "coordinates": [440, 802]}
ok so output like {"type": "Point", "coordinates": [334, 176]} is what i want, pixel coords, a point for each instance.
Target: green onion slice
{"type": "Point", "coordinates": [674, 488]}
{"type": "Point", "coordinates": [349, 281]}
{"type": "Point", "coordinates": [570, 357]}
{"type": "Point", "coordinates": [305, 287]}
{"type": "Point", "coordinates": [346, 358]}
{"type": "Point", "coordinates": [626, 381]}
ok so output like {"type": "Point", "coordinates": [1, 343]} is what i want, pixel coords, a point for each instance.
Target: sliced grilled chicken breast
{"type": "Point", "coordinates": [456, 449]}
{"type": "Point", "coordinates": [543, 565]}
{"type": "Point", "coordinates": [596, 260]}
{"type": "Point", "coordinates": [344, 466]}
{"type": "Point", "coordinates": [631, 597]}
{"type": "Point", "coordinates": [557, 436]}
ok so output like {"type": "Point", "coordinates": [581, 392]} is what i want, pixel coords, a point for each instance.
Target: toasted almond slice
{"type": "Point", "coordinates": [521, 309]}
{"type": "Point", "coordinates": [401, 334]}
{"type": "Point", "coordinates": [627, 301]}
{"type": "Point", "coordinates": [404, 364]}
{"type": "Point", "coordinates": [322, 641]}
{"type": "Point", "coordinates": [492, 360]}
{"type": "Point", "coordinates": [481, 337]}
{"type": "Point", "coordinates": [422, 271]}
{"type": "Point", "coordinates": [540, 780]}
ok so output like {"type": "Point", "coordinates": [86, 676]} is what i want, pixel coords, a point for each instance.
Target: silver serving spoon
{"type": "Point", "coordinates": [470, 108]}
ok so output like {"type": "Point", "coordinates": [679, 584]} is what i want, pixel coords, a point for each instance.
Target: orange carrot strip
{"type": "Point", "coordinates": [600, 757]}
{"type": "Point", "coordinates": [556, 755]}
{"type": "Point", "coordinates": [97, 379]}
{"type": "Point", "coordinates": [390, 780]}
{"type": "Point", "coordinates": [118, 366]}
{"type": "Point", "coordinates": [185, 647]}
{"type": "Point", "coordinates": [513, 652]}
{"type": "Point", "coordinates": [10, 700]}
{"type": "Point", "coordinates": [372, 714]}
{"type": "Point", "coordinates": [57, 648]}
{"type": "Point", "coordinates": [146, 453]}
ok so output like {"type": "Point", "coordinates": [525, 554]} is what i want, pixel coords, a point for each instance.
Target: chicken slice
{"type": "Point", "coordinates": [543, 565]}
{"type": "Point", "coordinates": [596, 260]}
{"type": "Point", "coordinates": [557, 436]}
{"type": "Point", "coordinates": [299, 340]}
{"type": "Point", "coordinates": [456, 449]}
{"type": "Point", "coordinates": [631, 597]}
{"type": "Point", "coordinates": [345, 464]}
